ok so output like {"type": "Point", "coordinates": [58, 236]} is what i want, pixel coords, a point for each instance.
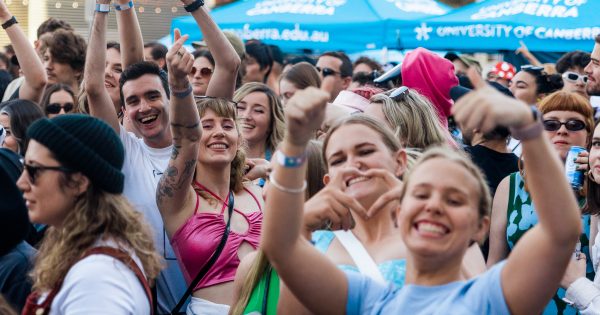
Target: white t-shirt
{"type": "Point", "coordinates": [143, 168]}
{"type": "Point", "coordinates": [101, 284]}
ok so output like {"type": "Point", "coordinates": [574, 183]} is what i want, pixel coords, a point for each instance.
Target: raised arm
{"type": "Point", "coordinates": [130, 34]}
{"type": "Point", "coordinates": [101, 105]}
{"type": "Point", "coordinates": [535, 267]}
{"type": "Point", "coordinates": [305, 271]}
{"type": "Point", "coordinates": [227, 61]}
{"type": "Point", "coordinates": [31, 65]}
{"type": "Point", "coordinates": [174, 193]}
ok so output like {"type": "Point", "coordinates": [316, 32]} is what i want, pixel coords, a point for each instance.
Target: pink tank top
{"type": "Point", "coordinates": [196, 240]}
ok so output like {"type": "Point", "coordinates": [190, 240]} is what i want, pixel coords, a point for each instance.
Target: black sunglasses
{"type": "Point", "coordinates": [571, 125]}
{"type": "Point", "coordinates": [327, 71]}
{"type": "Point", "coordinates": [33, 171]}
{"type": "Point", "coordinates": [399, 93]}
{"type": "Point", "coordinates": [54, 108]}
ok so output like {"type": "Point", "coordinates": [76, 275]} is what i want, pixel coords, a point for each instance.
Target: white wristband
{"type": "Point", "coordinates": [102, 7]}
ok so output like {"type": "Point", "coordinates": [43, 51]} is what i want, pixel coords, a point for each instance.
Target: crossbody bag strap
{"type": "Point", "coordinates": [365, 263]}
{"type": "Point", "coordinates": [210, 262]}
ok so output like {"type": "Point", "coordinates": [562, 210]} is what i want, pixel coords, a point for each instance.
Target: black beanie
{"type": "Point", "coordinates": [84, 144]}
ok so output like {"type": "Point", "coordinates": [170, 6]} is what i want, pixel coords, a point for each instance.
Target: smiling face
{"type": "Point", "coordinates": [254, 114]}
{"type": "Point", "coordinates": [201, 76]}
{"type": "Point", "coordinates": [360, 147]}
{"type": "Point", "coordinates": [564, 139]}
{"type": "Point", "coordinates": [112, 74]}
{"type": "Point", "coordinates": [220, 139]}
{"type": "Point", "coordinates": [524, 87]}
{"type": "Point", "coordinates": [146, 107]}
{"type": "Point", "coordinates": [48, 201]}
{"type": "Point", "coordinates": [439, 214]}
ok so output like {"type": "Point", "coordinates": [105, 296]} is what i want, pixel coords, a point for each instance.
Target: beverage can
{"type": "Point", "coordinates": [574, 176]}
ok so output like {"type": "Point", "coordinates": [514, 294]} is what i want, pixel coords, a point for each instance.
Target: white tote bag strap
{"type": "Point", "coordinates": [366, 265]}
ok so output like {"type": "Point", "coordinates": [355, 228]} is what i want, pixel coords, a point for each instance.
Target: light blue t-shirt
{"type": "Point", "coordinates": [480, 295]}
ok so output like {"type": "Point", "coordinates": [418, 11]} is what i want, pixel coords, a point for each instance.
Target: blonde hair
{"type": "Point", "coordinates": [260, 266]}
{"type": "Point", "coordinates": [224, 108]}
{"type": "Point", "coordinates": [277, 124]}
{"type": "Point", "coordinates": [96, 214]}
{"type": "Point", "coordinates": [485, 199]}
{"type": "Point", "coordinates": [389, 139]}
{"type": "Point", "coordinates": [413, 119]}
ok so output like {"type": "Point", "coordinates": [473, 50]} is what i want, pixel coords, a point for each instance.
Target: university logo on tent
{"type": "Point", "coordinates": [422, 32]}
{"type": "Point", "coordinates": [549, 9]}
{"type": "Point", "coordinates": [429, 7]}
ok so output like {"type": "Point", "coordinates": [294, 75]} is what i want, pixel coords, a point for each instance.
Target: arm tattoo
{"type": "Point", "coordinates": [172, 181]}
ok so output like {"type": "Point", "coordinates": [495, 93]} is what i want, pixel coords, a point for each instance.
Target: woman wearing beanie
{"type": "Point", "coordinates": [96, 257]}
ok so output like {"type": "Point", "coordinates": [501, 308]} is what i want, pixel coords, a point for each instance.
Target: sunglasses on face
{"type": "Point", "coordinates": [54, 108]}
{"type": "Point", "coordinates": [399, 94]}
{"type": "Point", "coordinates": [33, 171]}
{"type": "Point", "coordinates": [574, 77]}
{"type": "Point", "coordinates": [571, 125]}
{"type": "Point", "coordinates": [327, 71]}
{"type": "Point", "coordinates": [205, 71]}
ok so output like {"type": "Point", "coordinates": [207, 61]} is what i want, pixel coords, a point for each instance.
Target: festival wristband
{"type": "Point", "coordinates": [530, 131]}
{"type": "Point", "coordinates": [184, 93]}
{"type": "Point", "coordinates": [123, 7]}
{"type": "Point", "coordinates": [289, 161]}
{"type": "Point", "coordinates": [102, 7]}
{"type": "Point", "coordinates": [10, 22]}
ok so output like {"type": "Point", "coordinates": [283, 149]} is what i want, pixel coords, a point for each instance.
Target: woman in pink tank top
{"type": "Point", "coordinates": [207, 165]}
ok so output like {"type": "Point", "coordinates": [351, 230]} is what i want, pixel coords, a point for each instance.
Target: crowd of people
{"type": "Point", "coordinates": [233, 179]}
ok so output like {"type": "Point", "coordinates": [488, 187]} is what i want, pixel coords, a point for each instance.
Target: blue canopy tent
{"type": "Point", "coordinates": [319, 25]}
{"type": "Point", "coordinates": [492, 25]}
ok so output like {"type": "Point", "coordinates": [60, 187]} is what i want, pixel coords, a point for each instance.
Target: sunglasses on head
{"type": "Point", "coordinates": [574, 77]}
{"type": "Point", "coordinates": [33, 170]}
{"type": "Point", "coordinates": [399, 93]}
{"type": "Point", "coordinates": [327, 71]}
{"type": "Point", "coordinates": [205, 71]}
{"type": "Point", "coordinates": [532, 68]}
{"type": "Point", "coordinates": [571, 125]}
{"type": "Point", "coordinates": [54, 108]}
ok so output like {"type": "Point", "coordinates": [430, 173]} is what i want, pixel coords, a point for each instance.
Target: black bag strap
{"type": "Point", "coordinates": [210, 262]}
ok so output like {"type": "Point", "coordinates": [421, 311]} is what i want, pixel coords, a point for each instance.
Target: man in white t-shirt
{"type": "Point", "coordinates": [144, 94]}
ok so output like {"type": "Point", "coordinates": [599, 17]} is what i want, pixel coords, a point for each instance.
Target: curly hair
{"type": "Point", "coordinates": [277, 124]}
{"type": "Point", "coordinates": [68, 48]}
{"type": "Point", "coordinates": [96, 214]}
{"type": "Point", "coordinates": [224, 108]}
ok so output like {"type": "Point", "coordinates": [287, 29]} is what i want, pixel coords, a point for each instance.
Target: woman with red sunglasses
{"type": "Point", "coordinates": [568, 121]}
{"type": "Point", "coordinates": [204, 65]}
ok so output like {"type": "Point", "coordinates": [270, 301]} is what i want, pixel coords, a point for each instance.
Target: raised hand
{"type": "Point", "coordinates": [331, 208]}
{"type": "Point", "coordinates": [485, 108]}
{"type": "Point", "coordinates": [179, 61]}
{"type": "Point", "coordinates": [394, 187]}
{"type": "Point", "coordinates": [257, 168]}
{"type": "Point", "coordinates": [304, 114]}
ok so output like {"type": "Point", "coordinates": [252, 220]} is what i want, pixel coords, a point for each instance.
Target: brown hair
{"type": "Point", "coordinates": [302, 75]}
{"type": "Point", "coordinates": [56, 87]}
{"type": "Point", "coordinates": [315, 168]}
{"type": "Point", "coordinates": [224, 108]}
{"type": "Point", "coordinates": [69, 48]}
{"type": "Point", "coordinates": [597, 39]}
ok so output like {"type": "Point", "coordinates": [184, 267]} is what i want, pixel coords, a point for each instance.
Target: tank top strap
{"type": "Point", "coordinates": [254, 197]}
{"type": "Point", "coordinates": [202, 187]}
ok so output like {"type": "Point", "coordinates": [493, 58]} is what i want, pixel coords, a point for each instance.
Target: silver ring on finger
{"type": "Point", "coordinates": [179, 53]}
